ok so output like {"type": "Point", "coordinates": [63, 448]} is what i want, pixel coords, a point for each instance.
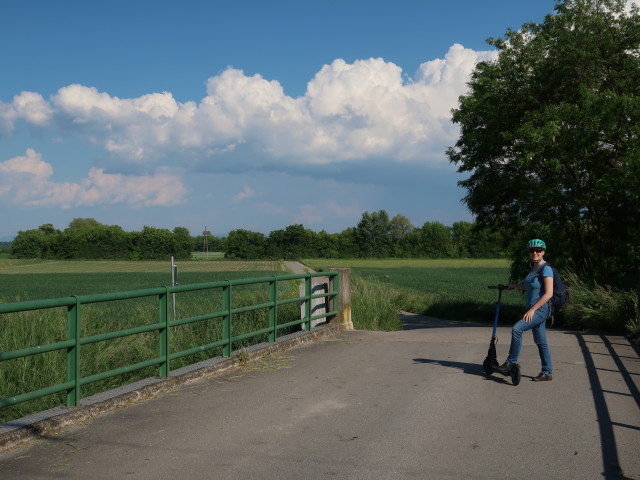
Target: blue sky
{"type": "Point", "coordinates": [243, 114]}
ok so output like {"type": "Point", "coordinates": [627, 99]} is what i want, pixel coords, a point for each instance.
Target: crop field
{"type": "Point", "coordinates": [455, 288]}
{"type": "Point", "coordinates": [8, 267]}
{"type": "Point", "coordinates": [409, 263]}
{"type": "Point", "coordinates": [22, 280]}
{"type": "Point", "coordinates": [451, 288]}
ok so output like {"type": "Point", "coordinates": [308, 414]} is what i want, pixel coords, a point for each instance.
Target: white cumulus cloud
{"type": "Point", "coordinates": [351, 111]}
{"type": "Point", "coordinates": [26, 180]}
{"type": "Point", "coordinates": [29, 106]}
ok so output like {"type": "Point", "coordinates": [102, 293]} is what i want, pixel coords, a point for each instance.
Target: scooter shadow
{"type": "Point", "coordinates": [468, 368]}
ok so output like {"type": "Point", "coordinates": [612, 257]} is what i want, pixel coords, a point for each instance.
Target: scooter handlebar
{"type": "Point", "coordinates": [499, 287]}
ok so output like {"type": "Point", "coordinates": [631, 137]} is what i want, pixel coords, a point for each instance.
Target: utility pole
{"type": "Point", "coordinates": [205, 245]}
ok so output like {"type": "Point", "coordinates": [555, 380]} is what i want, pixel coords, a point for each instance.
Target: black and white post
{"type": "Point", "coordinates": [174, 282]}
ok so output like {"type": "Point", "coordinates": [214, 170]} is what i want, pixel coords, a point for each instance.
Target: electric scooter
{"type": "Point", "coordinates": [490, 364]}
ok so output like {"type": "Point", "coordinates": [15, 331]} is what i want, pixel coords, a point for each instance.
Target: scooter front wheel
{"type": "Point", "coordinates": [488, 367]}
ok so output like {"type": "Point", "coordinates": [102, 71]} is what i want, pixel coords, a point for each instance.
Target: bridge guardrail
{"type": "Point", "coordinates": [163, 327]}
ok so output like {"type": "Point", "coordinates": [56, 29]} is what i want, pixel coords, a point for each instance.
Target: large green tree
{"type": "Point", "coordinates": [84, 223]}
{"type": "Point", "coordinates": [399, 229]}
{"type": "Point", "coordinates": [37, 243]}
{"type": "Point", "coordinates": [246, 244]}
{"type": "Point", "coordinates": [437, 241]}
{"type": "Point", "coordinates": [550, 138]}
{"type": "Point", "coordinates": [295, 241]}
{"type": "Point", "coordinates": [184, 243]}
{"type": "Point", "coordinates": [372, 234]}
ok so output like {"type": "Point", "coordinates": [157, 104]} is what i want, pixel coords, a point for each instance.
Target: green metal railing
{"type": "Point", "coordinates": [162, 328]}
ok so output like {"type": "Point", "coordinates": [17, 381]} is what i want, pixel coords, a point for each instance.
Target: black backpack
{"type": "Point", "coordinates": [560, 293]}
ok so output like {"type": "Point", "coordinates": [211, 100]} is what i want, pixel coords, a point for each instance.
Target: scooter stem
{"type": "Point", "coordinates": [495, 319]}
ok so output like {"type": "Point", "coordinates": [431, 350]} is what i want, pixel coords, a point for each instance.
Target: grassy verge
{"type": "Point", "coordinates": [601, 308]}
{"type": "Point", "coordinates": [375, 306]}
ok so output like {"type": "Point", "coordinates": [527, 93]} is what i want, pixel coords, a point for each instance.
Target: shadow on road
{"type": "Point", "coordinates": [468, 368]}
{"type": "Point", "coordinates": [593, 348]}
{"type": "Point", "coordinates": [412, 321]}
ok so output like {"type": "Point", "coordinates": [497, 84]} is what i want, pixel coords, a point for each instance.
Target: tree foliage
{"type": "Point", "coordinates": [246, 244]}
{"type": "Point", "coordinates": [436, 240]}
{"type": "Point", "coordinates": [89, 239]}
{"type": "Point", "coordinates": [295, 241]}
{"type": "Point", "coordinates": [549, 133]}
{"type": "Point", "coordinates": [83, 223]}
{"type": "Point", "coordinates": [375, 236]}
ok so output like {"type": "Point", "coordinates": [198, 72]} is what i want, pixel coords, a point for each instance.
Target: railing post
{"type": "Point", "coordinates": [226, 322]}
{"type": "Point", "coordinates": [307, 303]}
{"type": "Point", "coordinates": [163, 308]}
{"type": "Point", "coordinates": [344, 297]}
{"type": "Point", "coordinates": [273, 313]}
{"type": "Point", "coordinates": [73, 353]}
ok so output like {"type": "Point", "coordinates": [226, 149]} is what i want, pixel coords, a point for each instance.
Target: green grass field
{"type": "Point", "coordinates": [8, 266]}
{"type": "Point", "coordinates": [22, 280]}
{"type": "Point", "coordinates": [207, 256]}
{"type": "Point", "coordinates": [452, 289]}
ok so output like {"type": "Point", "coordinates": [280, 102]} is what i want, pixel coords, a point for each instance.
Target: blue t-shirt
{"type": "Point", "coordinates": [533, 286]}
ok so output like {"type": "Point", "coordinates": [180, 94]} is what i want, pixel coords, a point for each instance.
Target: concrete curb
{"type": "Point", "coordinates": [62, 417]}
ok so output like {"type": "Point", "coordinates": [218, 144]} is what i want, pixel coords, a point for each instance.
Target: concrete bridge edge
{"type": "Point", "coordinates": [62, 417]}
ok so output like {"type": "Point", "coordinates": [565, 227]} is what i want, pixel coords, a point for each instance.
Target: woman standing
{"type": "Point", "coordinates": [539, 310]}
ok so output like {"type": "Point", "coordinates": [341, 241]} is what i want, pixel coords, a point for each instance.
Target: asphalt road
{"type": "Point", "coordinates": [369, 405]}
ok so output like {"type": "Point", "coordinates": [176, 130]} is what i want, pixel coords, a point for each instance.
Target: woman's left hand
{"type": "Point", "coordinates": [528, 317]}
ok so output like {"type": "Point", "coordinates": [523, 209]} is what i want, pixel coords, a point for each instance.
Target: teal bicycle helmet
{"type": "Point", "coordinates": [536, 243]}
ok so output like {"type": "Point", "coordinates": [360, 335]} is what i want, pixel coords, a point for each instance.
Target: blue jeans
{"type": "Point", "coordinates": [538, 326]}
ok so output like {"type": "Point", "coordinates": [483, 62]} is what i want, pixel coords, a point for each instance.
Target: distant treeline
{"type": "Point", "coordinates": [375, 236]}
{"type": "Point", "coordinates": [85, 238]}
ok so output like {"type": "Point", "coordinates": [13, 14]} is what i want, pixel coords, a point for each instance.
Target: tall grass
{"type": "Point", "coordinates": [26, 329]}
{"type": "Point", "coordinates": [601, 308]}
{"type": "Point", "coordinates": [375, 306]}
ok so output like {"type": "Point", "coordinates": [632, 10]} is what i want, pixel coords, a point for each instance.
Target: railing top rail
{"type": "Point", "coordinates": [37, 304]}
{"type": "Point", "coordinates": [105, 297]}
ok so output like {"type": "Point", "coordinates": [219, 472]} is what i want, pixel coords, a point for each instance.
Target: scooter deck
{"type": "Point", "coordinates": [514, 372]}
